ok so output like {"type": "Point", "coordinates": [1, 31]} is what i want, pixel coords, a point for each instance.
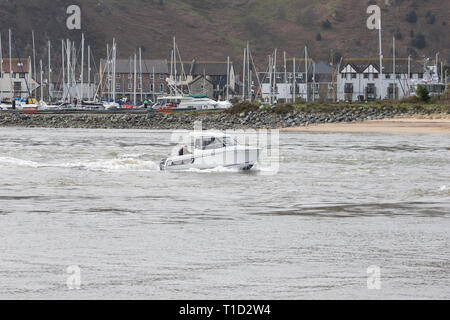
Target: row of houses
{"type": "Point", "coordinates": [349, 80]}
{"type": "Point", "coordinates": [195, 77]}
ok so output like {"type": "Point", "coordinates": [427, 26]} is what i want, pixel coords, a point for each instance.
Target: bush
{"type": "Point", "coordinates": [430, 17]}
{"type": "Point", "coordinates": [283, 108]}
{"type": "Point", "coordinates": [410, 100]}
{"type": "Point", "coordinates": [326, 24]}
{"type": "Point", "coordinates": [398, 35]}
{"type": "Point", "coordinates": [423, 94]}
{"type": "Point", "coordinates": [245, 107]}
{"type": "Point", "coordinates": [411, 17]}
{"type": "Point", "coordinates": [419, 41]}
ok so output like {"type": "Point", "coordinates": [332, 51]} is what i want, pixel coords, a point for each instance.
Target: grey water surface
{"type": "Point", "coordinates": [338, 204]}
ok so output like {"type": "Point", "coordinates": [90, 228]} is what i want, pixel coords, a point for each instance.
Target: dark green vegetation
{"type": "Point", "coordinates": [214, 29]}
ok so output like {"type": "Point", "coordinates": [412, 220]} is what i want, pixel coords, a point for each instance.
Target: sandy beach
{"type": "Point", "coordinates": [414, 125]}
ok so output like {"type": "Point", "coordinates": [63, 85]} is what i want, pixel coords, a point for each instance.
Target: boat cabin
{"type": "Point", "coordinates": [213, 141]}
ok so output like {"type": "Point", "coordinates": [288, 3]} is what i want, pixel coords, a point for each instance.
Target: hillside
{"type": "Point", "coordinates": [213, 29]}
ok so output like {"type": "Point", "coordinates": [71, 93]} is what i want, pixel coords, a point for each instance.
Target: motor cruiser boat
{"type": "Point", "coordinates": [49, 107]}
{"type": "Point", "coordinates": [111, 105]}
{"type": "Point", "coordinates": [211, 150]}
{"type": "Point", "coordinates": [194, 102]}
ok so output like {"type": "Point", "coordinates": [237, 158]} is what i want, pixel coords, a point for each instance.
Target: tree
{"type": "Point", "coordinates": [419, 41]}
{"type": "Point", "coordinates": [326, 24]}
{"type": "Point", "coordinates": [423, 93]}
{"type": "Point", "coordinates": [430, 17]}
{"type": "Point", "coordinates": [411, 16]}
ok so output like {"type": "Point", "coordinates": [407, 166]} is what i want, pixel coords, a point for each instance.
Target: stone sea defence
{"type": "Point", "coordinates": [259, 117]}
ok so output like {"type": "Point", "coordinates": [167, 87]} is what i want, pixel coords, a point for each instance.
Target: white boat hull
{"type": "Point", "coordinates": [238, 157]}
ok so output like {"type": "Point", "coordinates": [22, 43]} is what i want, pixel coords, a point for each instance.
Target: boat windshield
{"type": "Point", "coordinates": [229, 141]}
{"type": "Point", "coordinates": [210, 143]}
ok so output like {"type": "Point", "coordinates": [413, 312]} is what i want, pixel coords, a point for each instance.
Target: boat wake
{"type": "Point", "coordinates": [126, 162]}
{"type": "Point", "coordinates": [117, 164]}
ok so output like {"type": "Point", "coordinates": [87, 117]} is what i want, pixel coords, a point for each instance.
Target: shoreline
{"type": "Point", "coordinates": [347, 119]}
{"type": "Point", "coordinates": [403, 125]}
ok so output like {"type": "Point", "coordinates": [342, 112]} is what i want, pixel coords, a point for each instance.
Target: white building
{"type": "Point", "coordinates": [359, 79]}
{"type": "Point", "coordinates": [20, 84]}
{"type": "Point", "coordinates": [278, 86]}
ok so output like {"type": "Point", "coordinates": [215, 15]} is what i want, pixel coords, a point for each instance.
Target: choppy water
{"type": "Point", "coordinates": [339, 204]}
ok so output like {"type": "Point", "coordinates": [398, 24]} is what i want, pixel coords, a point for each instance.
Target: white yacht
{"type": "Point", "coordinates": [111, 105]}
{"type": "Point", "coordinates": [191, 102]}
{"type": "Point", "coordinates": [212, 150]}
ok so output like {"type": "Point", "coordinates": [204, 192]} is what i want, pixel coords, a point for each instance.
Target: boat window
{"type": "Point", "coordinates": [228, 141]}
{"type": "Point", "coordinates": [208, 143]}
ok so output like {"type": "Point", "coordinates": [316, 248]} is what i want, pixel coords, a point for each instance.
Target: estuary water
{"type": "Point", "coordinates": [339, 207]}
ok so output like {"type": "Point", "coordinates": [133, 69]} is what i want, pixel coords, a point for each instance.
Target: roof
{"type": "Point", "coordinates": [202, 78]}
{"type": "Point", "coordinates": [401, 65]}
{"type": "Point", "coordinates": [299, 66]}
{"type": "Point", "coordinates": [15, 65]}
{"type": "Point", "coordinates": [323, 68]}
{"type": "Point", "coordinates": [210, 68]}
{"type": "Point", "coordinates": [127, 65]}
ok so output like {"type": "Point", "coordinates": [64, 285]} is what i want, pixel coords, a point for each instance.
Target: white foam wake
{"type": "Point", "coordinates": [117, 164]}
{"type": "Point", "coordinates": [122, 164]}
{"type": "Point", "coordinates": [8, 162]}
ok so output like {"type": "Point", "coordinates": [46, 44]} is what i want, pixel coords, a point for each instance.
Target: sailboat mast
{"type": "Point", "coordinates": [171, 71]}
{"type": "Point", "coordinates": [228, 76]}
{"type": "Point", "coordinates": [243, 75]}
{"type": "Point", "coordinates": [10, 66]}
{"type": "Point", "coordinates": [114, 70]}
{"type": "Point", "coordinates": [49, 71]}
{"type": "Point", "coordinates": [63, 69]}
{"type": "Point", "coordinates": [175, 64]}
{"type": "Point", "coordinates": [393, 66]}
{"type": "Point", "coordinates": [294, 89]}
{"type": "Point", "coordinates": [140, 73]}
{"type": "Point", "coordinates": [108, 67]}
{"type": "Point", "coordinates": [306, 72]}
{"type": "Point", "coordinates": [249, 84]}
{"type": "Point", "coordinates": [82, 66]}
{"type": "Point", "coordinates": [270, 78]}
{"type": "Point", "coordinates": [153, 83]}
{"type": "Point", "coordinates": [381, 59]}
{"type": "Point", "coordinates": [275, 73]}
{"type": "Point", "coordinates": [134, 92]}
{"type": "Point", "coordinates": [314, 82]}
{"type": "Point", "coordinates": [89, 73]}
{"type": "Point", "coordinates": [34, 61]}
{"type": "Point", "coordinates": [42, 87]}
{"type": "Point", "coordinates": [68, 50]}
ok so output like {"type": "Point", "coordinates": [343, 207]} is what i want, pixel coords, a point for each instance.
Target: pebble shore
{"type": "Point", "coordinates": [262, 118]}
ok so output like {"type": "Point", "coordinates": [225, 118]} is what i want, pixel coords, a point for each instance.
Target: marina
{"type": "Point", "coordinates": [230, 157]}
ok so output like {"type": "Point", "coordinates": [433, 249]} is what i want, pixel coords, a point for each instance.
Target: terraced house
{"type": "Point", "coordinates": [148, 86]}
{"type": "Point", "coordinates": [208, 78]}
{"type": "Point", "coordinates": [18, 83]}
{"type": "Point", "coordinates": [278, 85]}
{"type": "Point", "coordinates": [360, 80]}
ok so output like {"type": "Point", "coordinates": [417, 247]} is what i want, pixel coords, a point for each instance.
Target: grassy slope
{"type": "Point", "coordinates": [213, 29]}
